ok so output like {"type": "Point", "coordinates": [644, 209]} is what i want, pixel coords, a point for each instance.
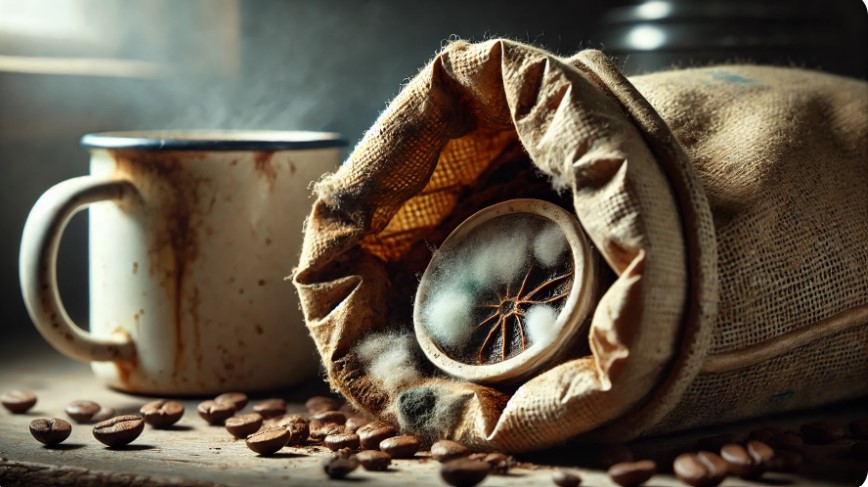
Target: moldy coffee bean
{"type": "Point", "coordinates": [244, 425]}
{"type": "Point", "coordinates": [821, 432]}
{"type": "Point", "coordinates": [374, 460]}
{"type": "Point", "coordinates": [338, 467]}
{"type": "Point", "coordinates": [373, 433]}
{"type": "Point", "coordinates": [119, 431]}
{"type": "Point", "coordinates": [701, 469]}
{"type": "Point", "coordinates": [341, 440]}
{"type": "Point", "coordinates": [268, 441]}
{"type": "Point", "coordinates": [161, 413]}
{"type": "Point", "coordinates": [18, 402]}
{"type": "Point", "coordinates": [445, 450]}
{"type": "Point", "coordinates": [631, 474]}
{"type": "Point", "coordinates": [400, 446]}
{"type": "Point", "coordinates": [464, 472]}
{"type": "Point", "coordinates": [563, 478]}
{"type": "Point", "coordinates": [82, 411]}
{"type": "Point", "coordinates": [237, 399]}
{"type": "Point", "coordinates": [270, 408]}
{"type": "Point", "coordinates": [215, 412]}
{"type": "Point", "coordinates": [50, 431]}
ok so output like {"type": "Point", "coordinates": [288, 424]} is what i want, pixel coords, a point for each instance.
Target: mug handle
{"type": "Point", "coordinates": [37, 267]}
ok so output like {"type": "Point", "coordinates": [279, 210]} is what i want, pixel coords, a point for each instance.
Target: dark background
{"type": "Point", "coordinates": [313, 65]}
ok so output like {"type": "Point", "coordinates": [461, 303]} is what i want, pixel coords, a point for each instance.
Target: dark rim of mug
{"type": "Point", "coordinates": [209, 140]}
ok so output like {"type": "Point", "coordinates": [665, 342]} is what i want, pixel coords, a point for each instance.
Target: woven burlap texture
{"type": "Point", "coordinates": [755, 199]}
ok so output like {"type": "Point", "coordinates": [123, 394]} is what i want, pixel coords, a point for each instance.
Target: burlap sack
{"type": "Point", "coordinates": [730, 202]}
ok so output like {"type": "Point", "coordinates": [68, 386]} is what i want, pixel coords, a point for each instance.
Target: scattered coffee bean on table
{"type": "Point", "coordinates": [335, 417]}
{"type": "Point", "coordinates": [82, 411]}
{"type": "Point", "coordinates": [611, 455]}
{"type": "Point", "coordinates": [270, 408]}
{"type": "Point", "coordinates": [119, 431]}
{"type": "Point", "coordinates": [821, 432]}
{"type": "Point", "coordinates": [298, 427]}
{"type": "Point", "coordinates": [341, 440]}
{"type": "Point", "coordinates": [354, 423]}
{"type": "Point", "coordinates": [318, 404]}
{"type": "Point", "coordinates": [701, 469]}
{"type": "Point", "coordinates": [215, 413]}
{"type": "Point", "coordinates": [162, 413]}
{"type": "Point", "coordinates": [563, 478]}
{"type": "Point", "coordinates": [760, 452]}
{"type": "Point", "coordinates": [373, 433]}
{"type": "Point", "coordinates": [631, 474]}
{"type": "Point", "coordinates": [50, 431]}
{"type": "Point", "coordinates": [400, 446]}
{"type": "Point", "coordinates": [18, 402]}
{"type": "Point", "coordinates": [374, 460]}
{"type": "Point", "coordinates": [319, 430]}
{"type": "Point", "coordinates": [742, 462]}
{"type": "Point", "coordinates": [464, 472]}
{"type": "Point", "coordinates": [788, 441]}
{"type": "Point", "coordinates": [786, 461]}
{"type": "Point", "coordinates": [237, 399]}
{"type": "Point", "coordinates": [859, 428]}
{"type": "Point", "coordinates": [445, 450]}
{"type": "Point", "coordinates": [338, 467]}
{"type": "Point", "coordinates": [244, 425]}
{"type": "Point", "coordinates": [268, 441]}
{"type": "Point", "coordinates": [500, 462]}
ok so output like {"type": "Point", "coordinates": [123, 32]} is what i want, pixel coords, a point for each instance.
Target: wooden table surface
{"type": "Point", "coordinates": [194, 453]}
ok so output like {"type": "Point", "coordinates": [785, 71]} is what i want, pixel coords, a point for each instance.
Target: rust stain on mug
{"type": "Point", "coordinates": [126, 368]}
{"type": "Point", "coordinates": [173, 191]}
{"type": "Point", "coordinates": [264, 166]}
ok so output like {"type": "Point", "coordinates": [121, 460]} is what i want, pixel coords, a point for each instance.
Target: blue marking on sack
{"type": "Point", "coordinates": [782, 396]}
{"type": "Point", "coordinates": [731, 78]}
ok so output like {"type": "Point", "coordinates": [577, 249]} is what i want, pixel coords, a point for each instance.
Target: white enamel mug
{"type": "Point", "coordinates": [191, 236]}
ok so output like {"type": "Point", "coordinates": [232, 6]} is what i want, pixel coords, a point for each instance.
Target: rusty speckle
{"type": "Point", "coordinates": [267, 241]}
{"type": "Point", "coordinates": [69, 337]}
{"type": "Point", "coordinates": [261, 282]}
{"type": "Point", "coordinates": [259, 330]}
{"type": "Point", "coordinates": [292, 168]}
{"type": "Point", "coordinates": [264, 166]}
{"type": "Point", "coordinates": [241, 290]}
{"type": "Point", "coordinates": [135, 267]}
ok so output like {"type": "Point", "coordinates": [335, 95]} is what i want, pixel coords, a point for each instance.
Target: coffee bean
{"type": "Point", "coordinates": [788, 441]}
{"type": "Point", "coordinates": [335, 417]}
{"type": "Point", "coordinates": [50, 431]}
{"type": "Point", "coordinates": [859, 428]}
{"type": "Point", "coordinates": [268, 441]}
{"type": "Point", "coordinates": [298, 427]}
{"type": "Point", "coordinates": [338, 467]}
{"type": "Point", "coordinates": [859, 450]}
{"type": "Point", "coordinates": [374, 460]}
{"type": "Point", "coordinates": [445, 450]}
{"type": "Point", "coordinates": [104, 413]}
{"type": "Point", "coordinates": [566, 479]}
{"type": "Point", "coordinates": [463, 472]}
{"type": "Point", "coordinates": [373, 433]}
{"type": "Point", "coordinates": [161, 413]}
{"type": "Point", "coordinates": [611, 455]}
{"type": "Point", "coordinates": [354, 423]}
{"type": "Point", "coordinates": [786, 461]}
{"type": "Point", "coordinates": [319, 430]}
{"type": "Point", "coordinates": [400, 446]}
{"type": "Point", "coordinates": [344, 452]}
{"type": "Point", "coordinates": [270, 408]}
{"type": "Point", "coordinates": [215, 412]}
{"type": "Point", "coordinates": [318, 404]}
{"type": "Point", "coordinates": [18, 402]}
{"type": "Point", "coordinates": [716, 442]}
{"type": "Point", "coordinates": [741, 462]}
{"type": "Point", "coordinates": [760, 452]}
{"type": "Point", "coordinates": [701, 469]}
{"type": "Point", "coordinates": [500, 463]}
{"type": "Point", "coordinates": [82, 411]}
{"type": "Point", "coordinates": [341, 440]}
{"type": "Point", "coordinates": [244, 425]}
{"type": "Point", "coordinates": [631, 474]}
{"type": "Point", "coordinates": [821, 432]}
{"type": "Point", "coordinates": [237, 399]}
{"type": "Point", "coordinates": [119, 431]}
